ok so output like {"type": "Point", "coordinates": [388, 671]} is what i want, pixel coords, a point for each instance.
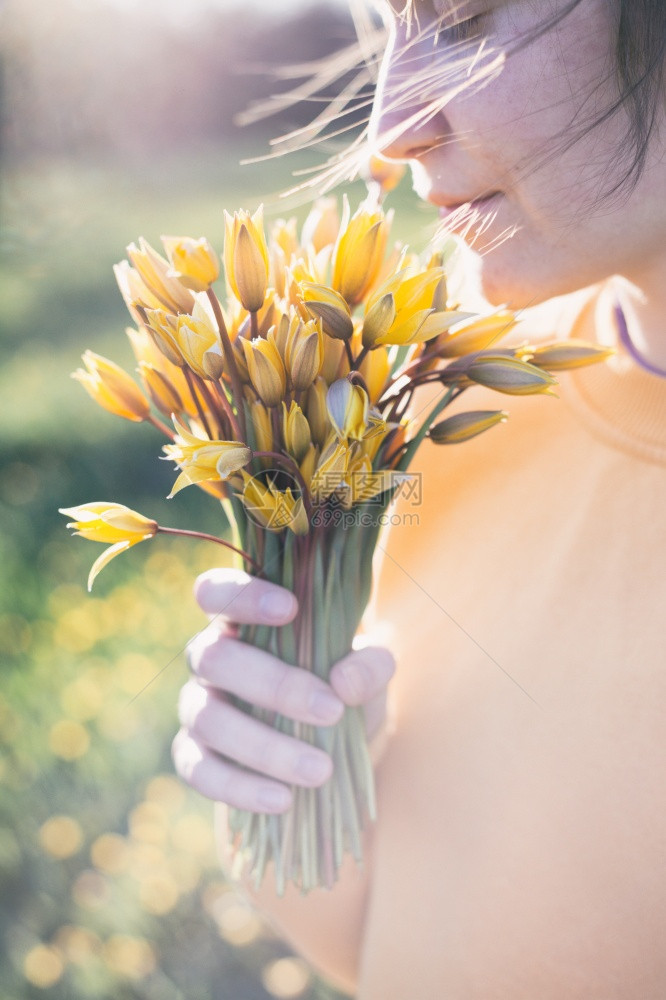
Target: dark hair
{"type": "Point", "coordinates": [640, 56]}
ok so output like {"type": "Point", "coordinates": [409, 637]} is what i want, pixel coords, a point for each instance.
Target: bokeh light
{"type": "Point", "coordinates": [61, 836]}
{"type": "Point", "coordinates": [43, 966]}
{"type": "Point", "coordinates": [110, 884]}
{"type": "Point", "coordinates": [286, 978]}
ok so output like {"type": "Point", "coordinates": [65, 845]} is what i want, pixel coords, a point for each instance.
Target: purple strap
{"type": "Point", "coordinates": [628, 344]}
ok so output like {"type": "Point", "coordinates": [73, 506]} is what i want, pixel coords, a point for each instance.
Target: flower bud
{"type": "Point", "coordinates": [295, 431]}
{"type": "Point", "coordinates": [565, 355]}
{"type": "Point", "coordinates": [280, 334]}
{"type": "Point", "coordinates": [155, 274]}
{"type": "Point", "coordinates": [375, 368]}
{"type": "Point", "coordinates": [199, 344]}
{"type": "Point", "coordinates": [359, 252]}
{"type": "Point", "coordinates": [112, 388]}
{"type": "Point", "coordinates": [468, 333]}
{"type": "Point", "coordinates": [387, 174]}
{"type": "Point", "coordinates": [347, 406]}
{"type": "Point", "coordinates": [320, 229]}
{"type": "Point", "coordinates": [304, 352]}
{"type": "Point", "coordinates": [246, 257]}
{"type": "Point", "coordinates": [378, 320]}
{"type": "Point", "coordinates": [261, 425]}
{"type": "Point", "coordinates": [463, 426]}
{"type": "Point", "coordinates": [193, 262]}
{"type": "Point", "coordinates": [265, 369]}
{"type": "Point", "coordinates": [509, 375]}
{"type": "Point", "coordinates": [329, 475]}
{"type": "Point", "coordinates": [316, 411]}
{"type": "Point", "coordinates": [160, 389]}
{"type": "Point", "coordinates": [330, 307]}
{"type": "Point", "coordinates": [308, 464]}
{"type": "Point", "coordinates": [162, 327]}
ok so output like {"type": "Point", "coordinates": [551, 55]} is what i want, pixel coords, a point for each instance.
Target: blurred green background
{"type": "Point", "coordinates": [118, 120]}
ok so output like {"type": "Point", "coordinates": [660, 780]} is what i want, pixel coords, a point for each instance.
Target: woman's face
{"type": "Point", "coordinates": [508, 140]}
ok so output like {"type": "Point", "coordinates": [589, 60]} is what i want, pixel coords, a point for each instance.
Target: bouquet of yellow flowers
{"type": "Point", "coordinates": [289, 403]}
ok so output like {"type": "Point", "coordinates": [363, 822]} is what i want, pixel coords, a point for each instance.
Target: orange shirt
{"type": "Point", "coordinates": [521, 846]}
{"type": "Point", "coordinates": [519, 851]}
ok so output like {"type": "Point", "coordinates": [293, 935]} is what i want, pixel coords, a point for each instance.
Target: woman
{"type": "Point", "coordinates": [519, 851]}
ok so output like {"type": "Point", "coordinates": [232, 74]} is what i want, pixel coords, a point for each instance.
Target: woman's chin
{"type": "Point", "coordinates": [510, 283]}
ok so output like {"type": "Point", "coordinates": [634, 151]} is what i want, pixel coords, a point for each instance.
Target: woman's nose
{"type": "Point", "coordinates": [405, 123]}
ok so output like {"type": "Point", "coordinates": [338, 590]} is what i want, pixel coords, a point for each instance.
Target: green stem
{"type": "Point", "coordinates": [414, 442]}
{"type": "Point", "coordinates": [150, 419]}
{"type": "Point", "coordinates": [189, 378]}
{"type": "Point", "coordinates": [210, 538]}
{"type": "Point", "coordinates": [236, 383]}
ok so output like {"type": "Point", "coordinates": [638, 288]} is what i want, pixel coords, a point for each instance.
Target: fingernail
{"type": "Point", "coordinates": [277, 604]}
{"type": "Point", "coordinates": [312, 767]}
{"type": "Point", "coordinates": [325, 706]}
{"type": "Point", "coordinates": [273, 798]}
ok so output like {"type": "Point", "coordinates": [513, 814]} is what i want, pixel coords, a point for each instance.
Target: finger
{"type": "Point", "coordinates": [262, 679]}
{"type": "Point", "coordinates": [215, 778]}
{"type": "Point", "coordinates": [227, 730]}
{"type": "Point", "coordinates": [243, 598]}
{"type": "Point", "coordinates": [362, 674]}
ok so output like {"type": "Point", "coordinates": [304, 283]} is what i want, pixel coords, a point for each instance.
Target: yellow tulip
{"type": "Point", "coordinates": [198, 340]}
{"type": "Point", "coordinates": [156, 275]}
{"type": "Point", "coordinates": [274, 509]}
{"type": "Point", "coordinates": [261, 425]}
{"type": "Point", "coordinates": [309, 463]}
{"type": "Point", "coordinates": [375, 368]}
{"type": "Point", "coordinates": [347, 406]}
{"type": "Point", "coordinates": [202, 460]}
{"type": "Point", "coordinates": [161, 389]}
{"type": "Point", "coordinates": [330, 307]}
{"type": "Point", "coordinates": [331, 470]}
{"type": "Point", "coordinates": [463, 426]}
{"type": "Point", "coordinates": [470, 333]}
{"type": "Point", "coordinates": [304, 352]}
{"type": "Point", "coordinates": [246, 259]}
{"type": "Point", "coordinates": [376, 431]}
{"type": "Point", "coordinates": [406, 309]}
{"type": "Point", "coordinates": [109, 523]}
{"type": "Point", "coordinates": [387, 174]}
{"type": "Point", "coordinates": [193, 262]}
{"type": "Point", "coordinates": [320, 228]}
{"type": "Point", "coordinates": [162, 327]}
{"type": "Point", "coordinates": [149, 354]}
{"type": "Point", "coordinates": [359, 251]}
{"type": "Point", "coordinates": [283, 235]}
{"type": "Point", "coordinates": [335, 363]}
{"type": "Point", "coordinates": [316, 412]}
{"type": "Point", "coordinates": [564, 355]}
{"type": "Point", "coordinates": [295, 430]}
{"type": "Point", "coordinates": [509, 375]}
{"type": "Point", "coordinates": [265, 369]}
{"type": "Point", "coordinates": [364, 483]}
{"type": "Point", "coordinates": [112, 388]}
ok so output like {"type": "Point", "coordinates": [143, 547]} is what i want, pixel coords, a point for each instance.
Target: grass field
{"type": "Point", "coordinates": [109, 883]}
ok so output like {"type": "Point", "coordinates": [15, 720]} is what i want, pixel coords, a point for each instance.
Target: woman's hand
{"type": "Point", "coordinates": [232, 758]}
